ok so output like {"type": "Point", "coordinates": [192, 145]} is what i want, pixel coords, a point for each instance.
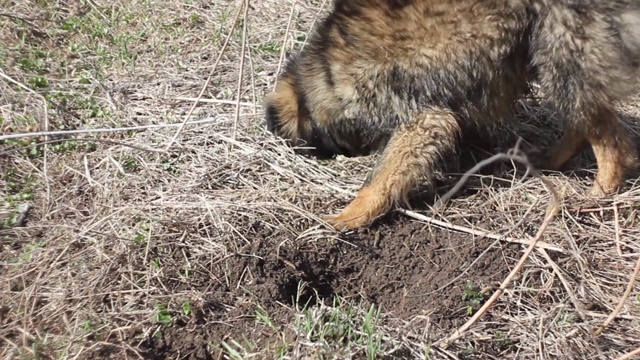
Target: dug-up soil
{"type": "Point", "coordinates": [407, 268]}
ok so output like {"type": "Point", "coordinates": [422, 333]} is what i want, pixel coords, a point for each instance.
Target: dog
{"type": "Point", "coordinates": [405, 78]}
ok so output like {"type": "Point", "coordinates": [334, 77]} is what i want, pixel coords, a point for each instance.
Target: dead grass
{"type": "Point", "coordinates": [109, 239]}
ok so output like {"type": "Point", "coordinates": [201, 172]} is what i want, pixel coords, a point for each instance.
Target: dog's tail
{"type": "Point", "coordinates": [587, 52]}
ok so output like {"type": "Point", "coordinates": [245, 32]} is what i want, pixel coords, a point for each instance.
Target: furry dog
{"type": "Point", "coordinates": [407, 77]}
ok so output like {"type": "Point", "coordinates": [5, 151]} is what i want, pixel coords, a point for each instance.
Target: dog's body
{"type": "Point", "coordinates": [406, 77]}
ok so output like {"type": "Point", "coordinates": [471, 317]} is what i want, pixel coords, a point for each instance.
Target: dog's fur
{"type": "Point", "coordinates": [407, 77]}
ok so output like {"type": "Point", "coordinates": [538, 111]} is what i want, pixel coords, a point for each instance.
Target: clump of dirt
{"type": "Point", "coordinates": [406, 267]}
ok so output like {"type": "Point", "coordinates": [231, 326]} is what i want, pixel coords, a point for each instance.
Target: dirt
{"type": "Point", "coordinates": [408, 268]}
{"type": "Point", "coordinates": [402, 265]}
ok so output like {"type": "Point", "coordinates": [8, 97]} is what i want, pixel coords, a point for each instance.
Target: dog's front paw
{"type": "Point", "coordinates": [361, 212]}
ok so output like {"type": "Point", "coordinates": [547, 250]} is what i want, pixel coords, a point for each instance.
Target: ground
{"type": "Point", "coordinates": [128, 233]}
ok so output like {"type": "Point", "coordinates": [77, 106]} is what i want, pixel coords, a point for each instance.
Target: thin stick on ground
{"type": "Point", "coordinates": [629, 355]}
{"type": "Point", "coordinates": [486, 234]}
{"type": "Point", "coordinates": [552, 209]}
{"type": "Point", "coordinates": [616, 224]}
{"type": "Point", "coordinates": [206, 83]}
{"type": "Point", "coordinates": [243, 50]}
{"type": "Point", "coordinates": [47, 198]}
{"type": "Point", "coordinates": [106, 141]}
{"type": "Point", "coordinates": [284, 42]}
{"type": "Point", "coordinates": [622, 301]}
{"type": "Point", "coordinates": [104, 130]}
{"type": "Point", "coordinates": [464, 229]}
{"type": "Point", "coordinates": [501, 237]}
{"type": "Point", "coordinates": [572, 296]}
{"type": "Point", "coordinates": [512, 154]}
{"type": "Point", "coordinates": [215, 101]}
{"type": "Point", "coordinates": [315, 19]}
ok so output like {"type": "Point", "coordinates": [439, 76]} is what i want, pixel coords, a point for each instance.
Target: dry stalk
{"type": "Point", "coordinates": [284, 42]}
{"type": "Point", "coordinates": [464, 229]}
{"type": "Point", "coordinates": [572, 296]}
{"type": "Point", "coordinates": [241, 72]}
{"type": "Point", "coordinates": [552, 209]}
{"type": "Point", "coordinates": [630, 355]}
{"type": "Point", "coordinates": [47, 199]}
{"type": "Point", "coordinates": [215, 101]}
{"type": "Point", "coordinates": [622, 301]}
{"type": "Point", "coordinates": [616, 225]}
{"type": "Point", "coordinates": [104, 130]}
{"type": "Point", "coordinates": [106, 141]}
{"type": "Point", "coordinates": [206, 83]}
{"type": "Point", "coordinates": [486, 234]}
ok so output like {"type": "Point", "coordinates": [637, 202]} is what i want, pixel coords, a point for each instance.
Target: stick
{"type": "Point", "coordinates": [625, 296]}
{"type": "Point", "coordinates": [552, 209]}
{"type": "Point", "coordinates": [214, 101]}
{"type": "Point", "coordinates": [616, 225]}
{"type": "Point", "coordinates": [284, 43]}
{"type": "Point", "coordinates": [206, 84]}
{"type": "Point", "coordinates": [630, 355]}
{"type": "Point", "coordinates": [573, 298]}
{"type": "Point", "coordinates": [106, 141]}
{"type": "Point", "coordinates": [45, 163]}
{"type": "Point", "coordinates": [467, 230]}
{"type": "Point", "coordinates": [103, 130]}
{"type": "Point", "coordinates": [241, 75]}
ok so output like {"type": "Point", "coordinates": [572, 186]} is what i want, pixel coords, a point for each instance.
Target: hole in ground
{"type": "Point", "coordinates": [310, 286]}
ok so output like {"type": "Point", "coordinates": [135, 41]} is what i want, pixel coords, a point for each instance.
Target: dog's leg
{"type": "Point", "coordinates": [584, 63]}
{"type": "Point", "coordinates": [614, 151]}
{"type": "Point", "coordinates": [412, 153]}
{"type": "Point", "coordinates": [613, 148]}
{"type": "Point", "coordinates": [571, 143]}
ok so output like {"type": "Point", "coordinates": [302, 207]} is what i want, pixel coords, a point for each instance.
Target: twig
{"type": "Point", "coordinates": [206, 83]}
{"type": "Point", "coordinates": [551, 212]}
{"type": "Point", "coordinates": [236, 117]}
{"type": "Point", "coordinates": [284, 43]}
{"type": "Point", "coordinates": [501, 237]}
{"type": "Point", "coordinates": [315, 19]}
{"type": "Point", "coordinates": [252, 74]}
{"type": "Point", "coordinates": [512, 154]}
{"type": "Point", "coordinates": [464, 229]}
{"type": "Point", "coordinates": [47, 198]}
{"type": "Point", "coordinates": [573, 298]}
{"type": "Point", "coordinates": [616, 224]}
{"type": "Point", "coordinates": [629, 355]}
{"type": "Point", "coordinates": [103, 130]}
{"type": "Point", "coordinates": [552, 209]}
{"type": "Point", "coordinates": [16, 345]}
{"type": "Point", "coordinates": [485, 234]}
{"type": "Point", "coordinates": [107, 141]}
{"type": "Point", "coordinates": [29, 21]}
{"type": "Point", "coordinates": [622, 301]}
{"type": "Point", "coordinates": [428, 219]}
{"type": "Point", "coordinates": [599, 209]}
{"type": "Point", "coordinates": [214, 101]}
{"type": "Point", "coordinates": [21, 85]}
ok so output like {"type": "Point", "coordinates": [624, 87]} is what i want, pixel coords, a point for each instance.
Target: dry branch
{"type": "Point", "coordinates": [552, 209]}
{"type": "Point", "coordinates": [206, 83]}
{"type": "Point", "coordinates": [625, 296]}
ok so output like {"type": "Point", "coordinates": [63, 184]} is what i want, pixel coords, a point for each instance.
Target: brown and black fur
{"type": "Point", "coordinates": [407, 77]}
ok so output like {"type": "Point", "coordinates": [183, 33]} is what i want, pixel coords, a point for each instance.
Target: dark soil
{"type": "Point", "coordinates": [403, 266]}
{"type": "Point", "coordinates": [406, 267]}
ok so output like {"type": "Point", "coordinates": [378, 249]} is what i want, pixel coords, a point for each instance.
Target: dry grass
{"type": "Point", "coordinates": [103, 231]}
